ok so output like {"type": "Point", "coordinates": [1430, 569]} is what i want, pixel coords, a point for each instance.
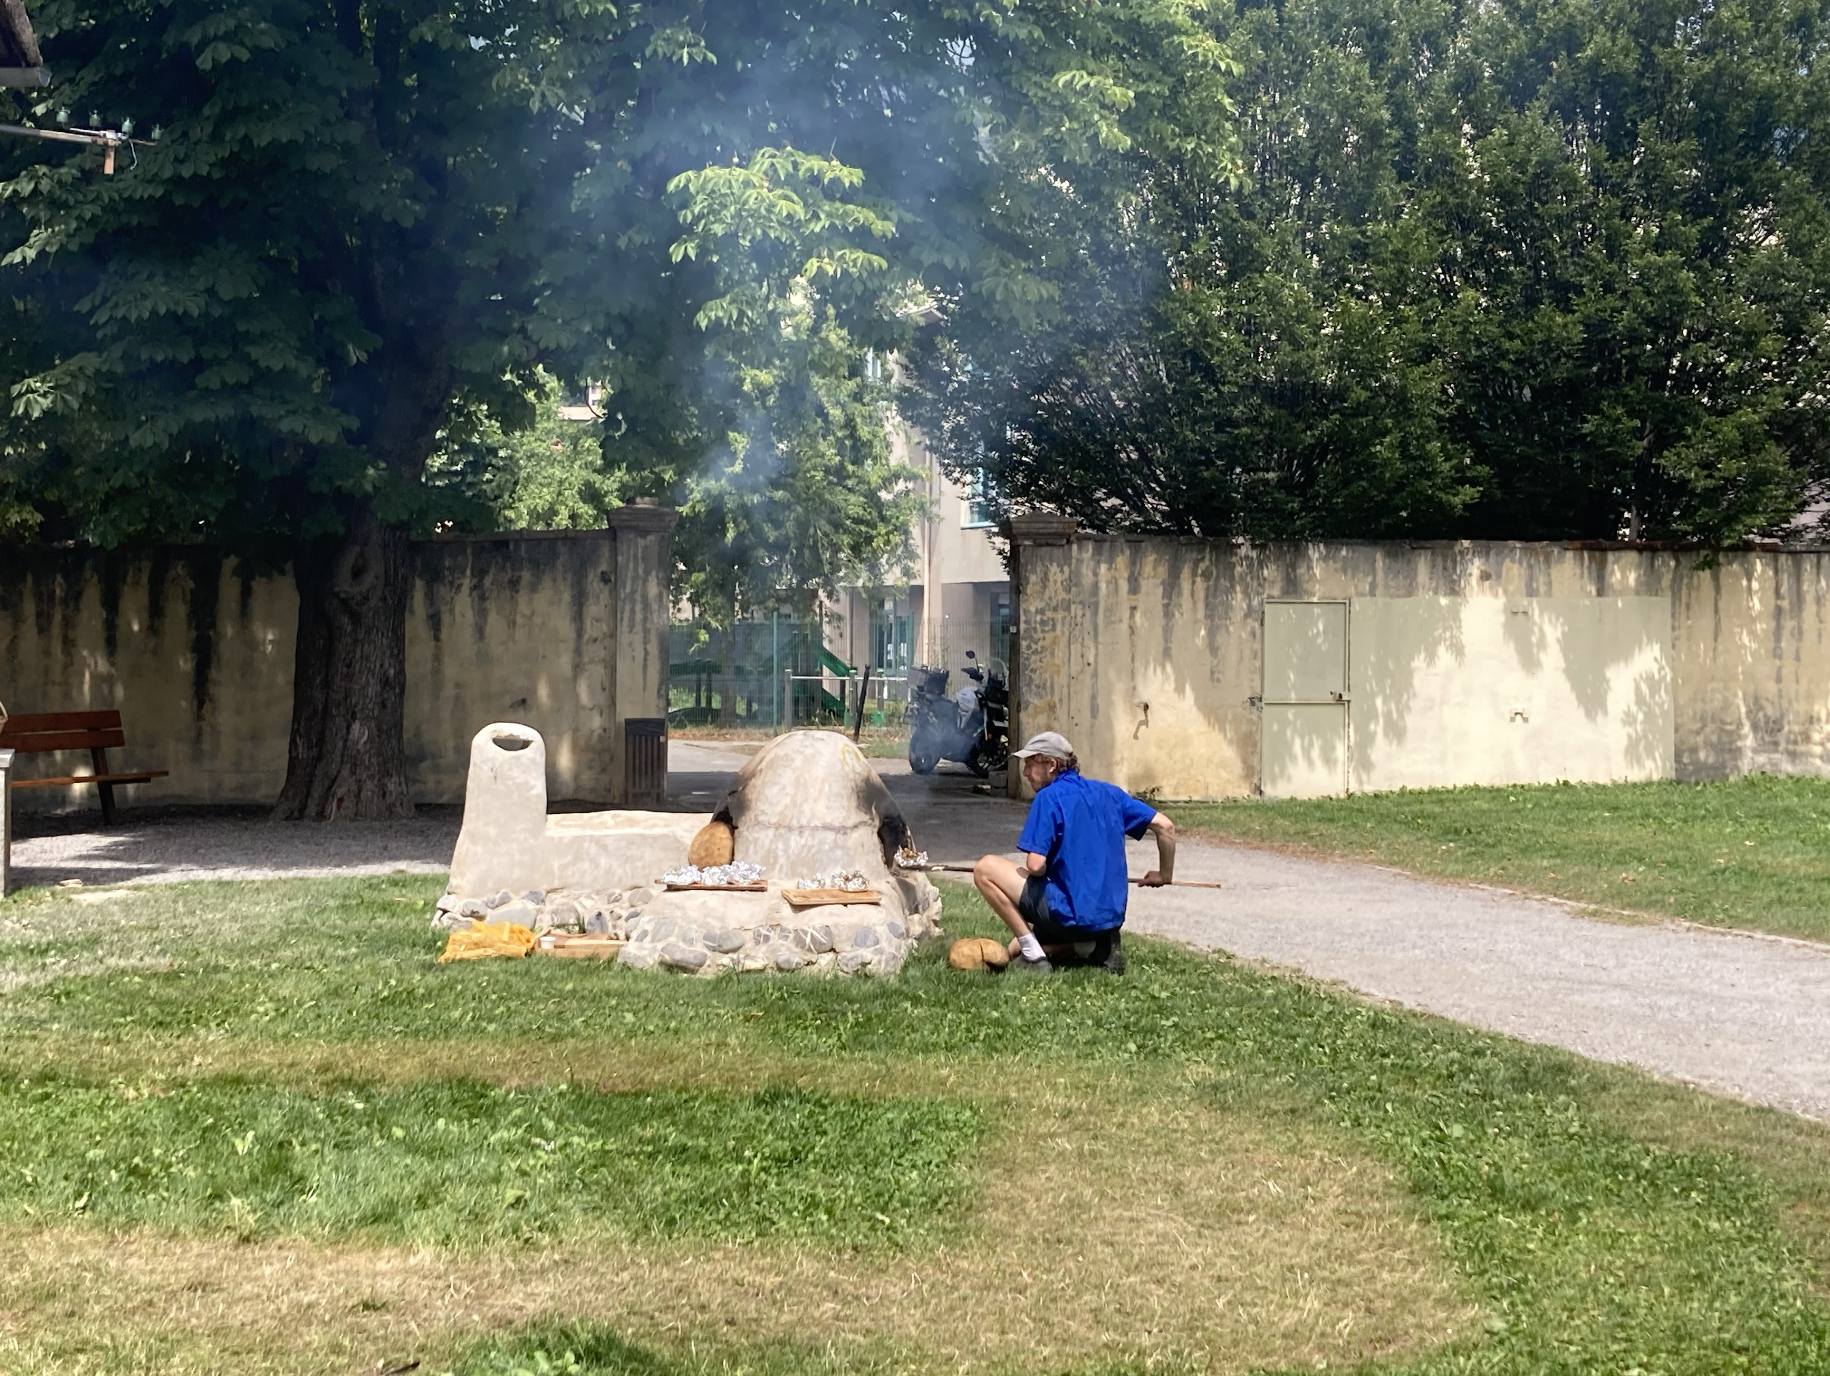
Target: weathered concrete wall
{"type": "Point", "coordinates": [519, 629]}
{"type": "Point", "coordinates": [196, 655]}
{"type": "Point", "coordinates": [1751, 647]}
{"type": "Point", "coordinates": [1497, 690]}
{"type": "Point", "coordinates": [565, 631]}
{"type": "Point", "coordinates": [1466, 662]}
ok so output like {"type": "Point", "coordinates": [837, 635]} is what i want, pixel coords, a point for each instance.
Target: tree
{"type": "Point", "coordinates": [1525, 271]}
{"type": "Point", "coordinates": [364, 225]}
{"type": "Point", "coordinates": [261, 330]}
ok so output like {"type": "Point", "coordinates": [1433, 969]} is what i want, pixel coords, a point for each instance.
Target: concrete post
{"type": "Point", "coordinates": [1025, 531]}
{"type": "Point", "coordinates": [501, 844]}
{"type": "Point", "coordinates": [6, 821]}
{"type": "Point", "coordinates": [643, 611]}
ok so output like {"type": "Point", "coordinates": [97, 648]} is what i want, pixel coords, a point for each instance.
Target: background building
{"type": "Point", "coordinates": [958, 598]}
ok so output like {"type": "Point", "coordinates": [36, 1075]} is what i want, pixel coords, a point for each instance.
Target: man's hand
{"type": "Point", "coordinates": [1153, 880]}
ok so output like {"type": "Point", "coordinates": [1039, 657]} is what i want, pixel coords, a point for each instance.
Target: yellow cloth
{"type": "Point", "coordinates": [486, 939]}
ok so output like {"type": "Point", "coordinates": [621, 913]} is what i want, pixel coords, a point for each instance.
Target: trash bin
{"type": "Point", "coordinates": [644, 761]}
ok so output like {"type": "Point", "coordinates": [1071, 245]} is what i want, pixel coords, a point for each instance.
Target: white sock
{"type": "Point", "coordinates": [1030, 947]}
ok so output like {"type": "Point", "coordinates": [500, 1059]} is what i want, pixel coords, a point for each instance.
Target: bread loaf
{"type": "Point", "coordinates": [977, 953]}
{"type": "Point", "coordinates": [714, 845]}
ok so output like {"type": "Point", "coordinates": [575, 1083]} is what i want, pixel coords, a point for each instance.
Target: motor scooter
{"type": "Point", "coordinates": [972, 728]}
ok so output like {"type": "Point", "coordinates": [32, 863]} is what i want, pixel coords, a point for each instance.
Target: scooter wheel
{"type": "Point", "coordinates": [977, 764]}
{"type": "Point", "coordinates": [921, 762]}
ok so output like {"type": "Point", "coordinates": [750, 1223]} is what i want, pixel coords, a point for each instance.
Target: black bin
{"type": "Point", "coordinates": [644, 761]}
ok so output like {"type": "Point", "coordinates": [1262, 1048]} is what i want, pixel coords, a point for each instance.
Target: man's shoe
{"type": "Point", "coordinates": [1114, 962]}
{"type": "Point", "coordinates": [1021, 965]}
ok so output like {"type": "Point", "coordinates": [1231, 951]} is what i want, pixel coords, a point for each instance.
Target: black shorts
{"type": "Point", "coordinates": [1093, 948]}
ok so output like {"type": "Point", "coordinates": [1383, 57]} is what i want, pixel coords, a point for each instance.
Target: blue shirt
{"type": "Point", "coordinates": [1081, 824]}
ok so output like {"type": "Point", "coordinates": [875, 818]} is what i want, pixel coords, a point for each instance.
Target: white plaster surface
{"type": "Point", "coordinates": [502, 844]}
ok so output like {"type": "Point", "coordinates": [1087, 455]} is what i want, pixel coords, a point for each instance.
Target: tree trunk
{"type": "Point", "coordinates": [727, 702]}
{"type": "Point", "coordinates": [346, 760]}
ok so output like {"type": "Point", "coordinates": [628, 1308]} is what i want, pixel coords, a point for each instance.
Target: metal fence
{"type": "Point", "coordinates": [947, 640]}
{"type": "Point", "coordinates": [767, 674]}
{"type": "Point", "coordinates": [885, 698]}
{"type": "Point", "coordinates": [780, 673]}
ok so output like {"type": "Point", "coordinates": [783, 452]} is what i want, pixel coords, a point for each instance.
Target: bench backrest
{"type": "Point", "coordinates": [36, 735]}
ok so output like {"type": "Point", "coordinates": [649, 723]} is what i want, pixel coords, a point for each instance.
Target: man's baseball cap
{"type": "Point", "coordinates": [1047, 744]}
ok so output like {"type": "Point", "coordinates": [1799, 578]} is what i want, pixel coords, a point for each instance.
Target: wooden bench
{"type": "Point", "coordinates": [96, 732]}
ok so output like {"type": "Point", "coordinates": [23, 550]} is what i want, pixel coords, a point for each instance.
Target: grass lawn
{"type": "Point", "coordinates": [253, 1127]}
{"type": "Point", "coordinates": [1751, 852]}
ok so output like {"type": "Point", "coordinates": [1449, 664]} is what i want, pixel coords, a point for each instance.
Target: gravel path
{"type": "Point", "coordinates": [1742, 1015]}
{"type": "Point", "coordinates": [159, 846]}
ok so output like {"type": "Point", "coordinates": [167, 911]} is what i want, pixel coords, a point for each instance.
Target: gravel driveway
{"type": "Point", "coordinates": [1744, 1015]}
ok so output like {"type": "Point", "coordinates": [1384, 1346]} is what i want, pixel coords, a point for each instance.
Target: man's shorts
{"type": "Point", "coordinates": [1089, 948]}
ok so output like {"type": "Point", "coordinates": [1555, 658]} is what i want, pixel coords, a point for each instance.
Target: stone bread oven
{"type": "Point", "coordinates": [808, 803]}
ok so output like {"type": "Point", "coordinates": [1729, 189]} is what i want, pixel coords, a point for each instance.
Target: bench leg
{"type": "Point", "coordinates": [100, 759]}
{"type": "Point", "coordinates": [6, 822]}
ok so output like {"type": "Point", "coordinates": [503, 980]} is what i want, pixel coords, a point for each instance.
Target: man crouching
{"type": "Point", "coordinates": [1067, 903]}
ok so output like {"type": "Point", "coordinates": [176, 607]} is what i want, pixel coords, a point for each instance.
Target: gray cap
{"type": "Point", "coordinates": [1047, 744]}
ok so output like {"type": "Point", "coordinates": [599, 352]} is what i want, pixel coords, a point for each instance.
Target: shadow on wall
{"type": "Point", "coordinates": [1417, 637]}
{"type": "Point", "coordinates": [565, 628]}
{"type": "Point", "coordinates": [1489, 690]}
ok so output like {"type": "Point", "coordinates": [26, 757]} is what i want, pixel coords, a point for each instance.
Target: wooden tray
{"type": "Point", "coordinates": [583, 947]}
{"type": "Point", "coordinates": [715, 888]}
{"type": "Point", "coordinates": [815, 898]}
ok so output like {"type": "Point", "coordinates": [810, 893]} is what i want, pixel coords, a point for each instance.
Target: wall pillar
{"type": "Point", "coordinates": [1029, 531]}
{"type": "Point", "coordinates": [641, 619]}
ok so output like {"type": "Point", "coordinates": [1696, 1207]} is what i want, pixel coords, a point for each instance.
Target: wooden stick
{"type": "Point", "coordinates": [1172, 884]}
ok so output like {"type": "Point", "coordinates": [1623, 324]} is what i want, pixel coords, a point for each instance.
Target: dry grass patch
{"type": "Point", "coordinates": [1117, 1229]}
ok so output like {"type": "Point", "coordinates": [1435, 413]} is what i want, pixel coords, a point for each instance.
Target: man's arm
{"type": "Point", "coordinates": [1164, 872]}
{"type": "Point", "coordinates": [1038, 864]}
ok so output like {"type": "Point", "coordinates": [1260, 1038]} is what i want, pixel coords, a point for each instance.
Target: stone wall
{"type": "Point", "coordinates": [564, 630]}
{"type": "Point", "coordinates": [1463, 662]}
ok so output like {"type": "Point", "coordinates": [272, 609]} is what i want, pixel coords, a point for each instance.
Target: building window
{"type": "Point", "coordinates": [976, 504]}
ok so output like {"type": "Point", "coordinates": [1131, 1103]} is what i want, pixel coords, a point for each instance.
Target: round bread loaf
{"type": "Point", "coordinates": [714, 845]}
{"type": "Point", "coordinates": [977, 953]}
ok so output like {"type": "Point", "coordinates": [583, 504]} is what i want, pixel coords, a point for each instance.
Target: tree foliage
{"type": "Point", "coordinates": [366, 223]}
{"type": "Point", "coordinates": [343, 228]}
{"type": "Point", "coordinates": [977, 150]}
{"type": "Point", "coordinates": [1524, 271]}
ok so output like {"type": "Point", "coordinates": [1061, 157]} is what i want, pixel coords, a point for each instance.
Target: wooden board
{"type": "Point", "coordinates": [716, 888]}
{"type": "Point", "coordinates": [815, 898]}
{"type": "Point", "coordinates": [29, 742]}
{"type": "Point", "coordinates": [109, 720]}
{"type": "Point", "coordinates": [583, 947]}
{"type": "Point", "coordinates": [93, 779]}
